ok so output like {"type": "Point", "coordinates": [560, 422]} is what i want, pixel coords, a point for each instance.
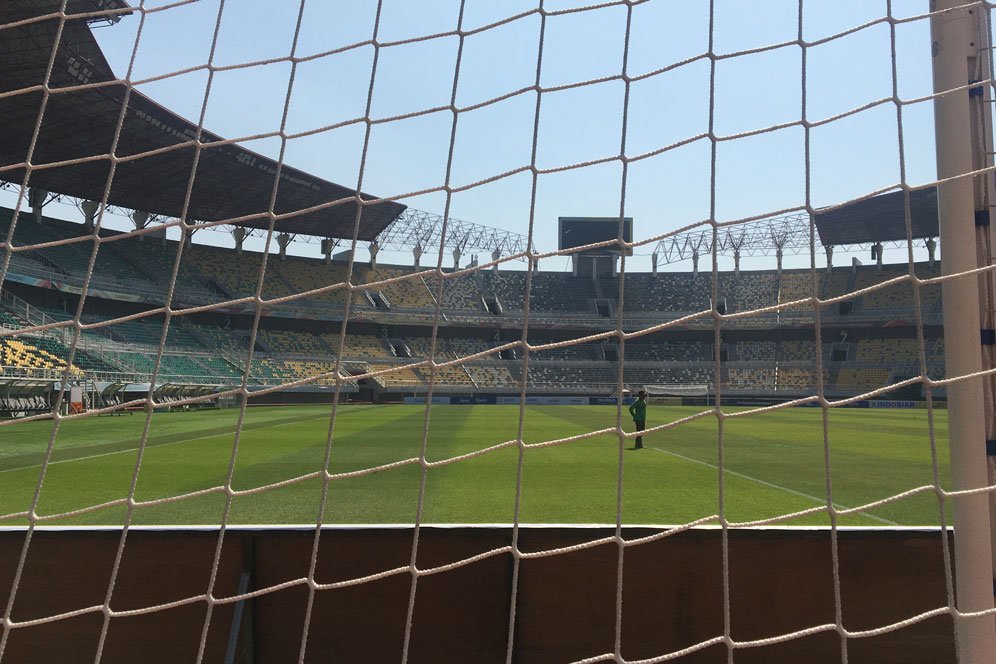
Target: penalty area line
{"type": "Point", "coordinates": [771, 485]}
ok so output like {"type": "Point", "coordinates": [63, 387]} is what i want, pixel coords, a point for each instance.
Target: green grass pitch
{"type": "Point", "coordinates": [774, 462]}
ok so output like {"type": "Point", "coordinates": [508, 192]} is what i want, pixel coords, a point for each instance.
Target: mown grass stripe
{"type": "Point", "coordinates": [214, 433]}
{"type": "Point", "coordinates": [772, 485]}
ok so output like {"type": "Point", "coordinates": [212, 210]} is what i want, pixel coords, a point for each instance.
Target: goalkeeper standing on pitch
{"type": "Point", "coordinates": [638, 411]}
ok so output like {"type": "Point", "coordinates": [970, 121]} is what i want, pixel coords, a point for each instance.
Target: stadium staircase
{"type": "Point", "coordinates": [604, 306]}
{"type": "Point", "coordinates": [138, 265]}
{"type": "Point", "coordinates": [263, 346]}
{"type": "Point", "coordinates": [195, 332]}
{"type": "Point", "coordinates": [399, 348]}
{"type": "Point", "coordinates": [327, 344]}
{"type": "Point", "coordinates": [208, 371]}
{"type": "Point", "coordinates": [220, 287]}
{"type": "Point", "coordinates": [120, 250]}
{"type": "Point", "coordinates": [38, 257]}
{"type": "Point", "coordinates": [273, 268]}
{"type": "Point", "coordinates": [432, 295]}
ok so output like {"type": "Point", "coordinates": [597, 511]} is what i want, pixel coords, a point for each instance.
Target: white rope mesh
{"type": "Point", "coordinates": [438, 281]}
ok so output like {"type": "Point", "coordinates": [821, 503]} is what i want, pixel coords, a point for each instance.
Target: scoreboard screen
{"type": "Point", "coordinates": [579, 231]}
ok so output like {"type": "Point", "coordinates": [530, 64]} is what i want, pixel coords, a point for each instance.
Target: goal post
{"type": "Point", "coordinates": [956, 31]}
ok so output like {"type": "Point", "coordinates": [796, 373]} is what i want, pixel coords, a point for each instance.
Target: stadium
{"type": "Point", "coordinates": [249, 414]}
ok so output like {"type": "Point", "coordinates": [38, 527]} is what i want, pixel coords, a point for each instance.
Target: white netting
{"type": "Point", "coordinates": [541, 367]}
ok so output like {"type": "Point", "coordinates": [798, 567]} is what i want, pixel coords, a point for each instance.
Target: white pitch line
{"type": "Point", "coordinates": [772, 485]}
{"type": "Point", "coordinates": [175, 442]}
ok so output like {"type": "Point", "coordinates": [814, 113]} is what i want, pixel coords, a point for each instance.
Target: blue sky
{"type": "Point", "coordinates": [849, 157]}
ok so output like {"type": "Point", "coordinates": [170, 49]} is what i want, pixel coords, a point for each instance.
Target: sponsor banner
{"type": "Point", "coordinates": [546, 401]}
{"type": "Point", "coordinates": [609, 401]}
{"type": "Point", "coordinates": [76, 290]}
{"type": "Point", "coordinates": [473, 400]}
{"type": "Point", "coordinates": [420, 401]}
{"type": "Point", "coordinates": [490, 400]}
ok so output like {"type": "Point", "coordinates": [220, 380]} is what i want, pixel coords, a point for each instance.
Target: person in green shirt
{"type": "Point", "coordinates": [638, 411]}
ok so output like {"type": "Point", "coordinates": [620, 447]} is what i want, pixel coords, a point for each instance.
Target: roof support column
{"type": "Point", "coordinates": [141, 220]}
{"type": "Point", "coordinates": [829, 250]}
{"type": "Point", "coordinates": [36, 199]}
{"type": "Point", "coordinates": [373, 247]}
{"type": "Point", "coordinates": [417, 253]}
{"type": "Point", "coordinates": [283, 240]}
{"type": "Point", "coordinates": [877, 253]}
{"type": "Point", "coordinates": [239, 233]}
{"type": "Point", "coordinates": [89, 214]}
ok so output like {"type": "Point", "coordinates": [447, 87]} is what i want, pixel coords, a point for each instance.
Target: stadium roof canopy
{"type": "Point", "coordinates": [879, 219]}
{"type": "Point", "coordinates": [80, 123]}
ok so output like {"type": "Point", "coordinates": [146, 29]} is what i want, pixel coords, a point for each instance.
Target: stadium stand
{"type": "Point", "coordinates": [490, 376]}
{"type": "Point", "coordinates": [30, 355]}
{"type": "Point", "coordinates": [400, 376]}
{"type": "Point", "coordinates": [215, 349]}
{"type": "Point", "coordinates": [861, 380]}
{"type": "Point", "coordinates": [883, 351]}
{"type": "Point", "coordinates": [548, 291]}
{"type": "Point", "coordinates": [303, 275]}
{"type": "Point", "coordinates": [410, 293]}
{"type": "Point", "coordinates": [746, 291]}
{"type": "Point", "coordinates": [460, 293]}
{"type": "Point", "coordinates": [9, 321]}
{"type": "Point", "coordinates": [668, 351]}
{"type": "Point", "coordinates": [795, 286]}
{"type": "Point", "coordinates": [753, 380]}
{"type": "Point", "coordinates": [359, 346]}
{"type": "Point", "coordinates": [232, 274]}
{"type": "Point", "coordinates": [672, 292]}
{"type": "Point", "coordinates": [284, 342]}
{"type": "Point", "coordinates": [760, 352]}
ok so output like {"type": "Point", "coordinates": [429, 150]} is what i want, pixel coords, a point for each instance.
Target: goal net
{"type": "Point", "coordinates": [413, 262]}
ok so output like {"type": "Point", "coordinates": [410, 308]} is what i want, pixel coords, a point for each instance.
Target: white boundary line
{"type": "Point", "coordinates": [772, 485]}
{"type": "Point", "coordinates": [306, 527]}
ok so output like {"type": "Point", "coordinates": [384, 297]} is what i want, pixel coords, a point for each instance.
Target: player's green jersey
{"type": "Point", "coordinates": [638, 409]}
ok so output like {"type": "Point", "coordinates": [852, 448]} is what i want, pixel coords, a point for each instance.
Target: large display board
{"type": "Point", "coordinates": [579, 231]}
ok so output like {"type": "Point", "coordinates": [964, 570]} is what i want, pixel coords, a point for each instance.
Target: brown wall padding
{"type": "Point", "coordinates": [672, 595]}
